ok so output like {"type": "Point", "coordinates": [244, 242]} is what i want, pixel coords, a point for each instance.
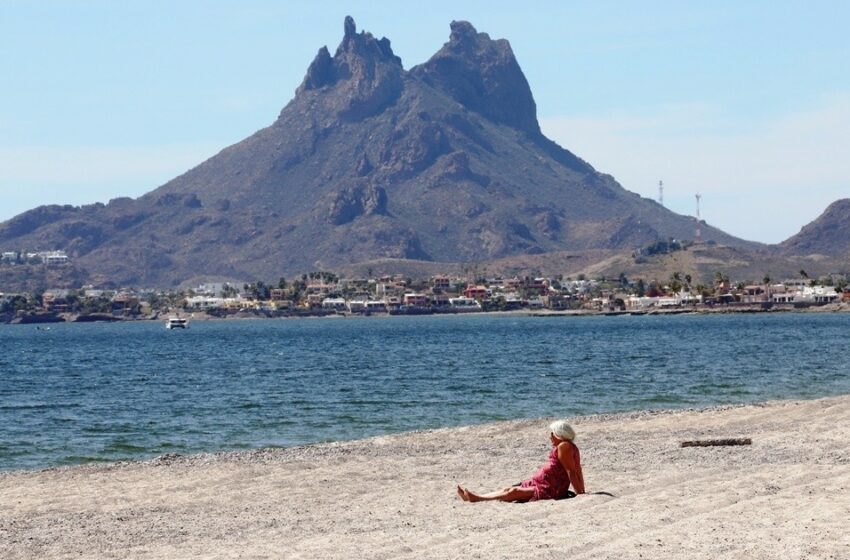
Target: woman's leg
{"type": "Point", "coordinates": [509, 494]}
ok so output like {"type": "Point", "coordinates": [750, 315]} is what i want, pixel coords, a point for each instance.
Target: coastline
{"type": "Point", "coordinates": [47, 318]}
{"type": "Point", "coordinates": [393, 496]}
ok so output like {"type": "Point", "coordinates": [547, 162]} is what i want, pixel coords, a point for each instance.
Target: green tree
{"type": "Point", "coordinates": [229, 291]}
{"type": "Point", "coordinates": [676, 282]}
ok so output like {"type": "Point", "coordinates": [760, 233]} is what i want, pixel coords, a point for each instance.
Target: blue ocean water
{"type": "Point", "coordinates": [99, 392]}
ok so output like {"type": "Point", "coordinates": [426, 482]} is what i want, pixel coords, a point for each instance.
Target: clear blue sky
{"type": "Point", "coordinates": [747, 103]}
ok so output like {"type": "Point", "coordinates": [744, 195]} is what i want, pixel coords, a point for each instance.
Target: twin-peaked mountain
{"type": "Point", "coordinates": [443, 162]}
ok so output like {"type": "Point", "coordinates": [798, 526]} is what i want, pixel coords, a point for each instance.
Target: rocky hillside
{"type": "Point", "coordinates": [444, 162]}
{"type": "Point", "coordinates": [829, 234]}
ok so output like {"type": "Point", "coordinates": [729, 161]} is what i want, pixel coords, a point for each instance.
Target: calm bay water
{"type": "Point", "coordinates": [94, 392]}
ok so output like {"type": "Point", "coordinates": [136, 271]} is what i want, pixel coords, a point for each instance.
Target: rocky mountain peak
{"type": "Point", "coordinates": [350, 28]}
{"type": "Point", "coordinates": [463, 32]}
{"type": "Point", "coordinates": [363, 44]}
{"type": "Point", "coordinates": [483, 75]}
{"type": "Point", "coordinates": [364, 70]}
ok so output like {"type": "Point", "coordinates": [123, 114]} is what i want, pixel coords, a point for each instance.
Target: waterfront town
{"type": "Point", "coordinates": [325, 293]}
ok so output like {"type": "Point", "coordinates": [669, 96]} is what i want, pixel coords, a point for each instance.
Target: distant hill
{"type": "Point", "coordinates": [442, 163]}
{"type": "Point", "coordinates": [828, 234]}
{"type": "Point", "coordinates": [702, 261]}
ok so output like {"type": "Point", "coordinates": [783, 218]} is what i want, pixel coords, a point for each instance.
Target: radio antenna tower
{"type": "Point", "coordinates": [661, 193]}
{"type": "Point", "coordinates": [698, 236]}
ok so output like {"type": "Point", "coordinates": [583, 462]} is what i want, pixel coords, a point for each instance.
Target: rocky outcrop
{"type": "Point", "coordinates": [352, 202]}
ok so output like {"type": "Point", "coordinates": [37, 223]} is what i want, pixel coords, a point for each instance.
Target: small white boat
{"type": "Point", "coordinates": [176, 323]}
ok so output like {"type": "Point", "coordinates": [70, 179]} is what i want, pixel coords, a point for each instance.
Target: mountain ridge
{"type": "Point", "coordinates": [827, 234]}
{"type": "Point", "coordinates": [444, 162]}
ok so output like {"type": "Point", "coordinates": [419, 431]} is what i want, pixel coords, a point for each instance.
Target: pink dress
{"type": "Point", "coordinates": [552, 481]}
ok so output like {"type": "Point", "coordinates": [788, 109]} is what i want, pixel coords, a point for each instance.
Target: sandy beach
{"type": "Point", "coordinates": [785, 496]}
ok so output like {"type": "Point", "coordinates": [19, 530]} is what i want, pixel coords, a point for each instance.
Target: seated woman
{"type": "Point", "coordinates": [551, 482]}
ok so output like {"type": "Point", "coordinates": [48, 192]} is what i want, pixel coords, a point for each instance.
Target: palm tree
{"type": "Point", "coordinates": [718, 281]}
{"type": "Point", "coordinates": [640, 287]}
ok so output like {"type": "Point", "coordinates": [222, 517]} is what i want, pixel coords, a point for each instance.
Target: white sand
{"type": "Point", "coordinates": [785, 496]}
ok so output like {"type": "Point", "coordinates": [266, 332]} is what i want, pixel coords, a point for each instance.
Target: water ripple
{"type": "Point", "coordinates": [95, 392]}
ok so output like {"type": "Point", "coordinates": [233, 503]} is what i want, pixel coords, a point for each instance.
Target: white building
{"type": "Point", "coordinates": [465, 303]}
{"type": "Point", "coordinates": [204, 302]}
{"type": "Point", "coordinates": [333, 303]}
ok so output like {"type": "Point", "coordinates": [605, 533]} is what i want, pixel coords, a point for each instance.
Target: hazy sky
{"type": "Point", "coordinates": [747, 103]}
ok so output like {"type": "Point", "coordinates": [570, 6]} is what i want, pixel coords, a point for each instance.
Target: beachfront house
{"type": "Point", "coordinates": [440, 300]}
{"type": "Point", "coordinates": [202, 303]}
{"type": "Point", "coordinates": [333, 303]}
{"type": "Point", "coordinates": [415, 300]}
{"type": "Point", "coordinates": [805, 295]}
{"type": "Point", "coordinates": [357, 305]}
{"type": "Point", "coordinates": [783, 297]}
{"type": "Point", "coordinates": [820, 295]}
{"type": "Point", "coordinates": [754, 293]}
{"type": "Point", "coordinates": [465, 304]}
{"type": "Point", "coordinates": [477, 292]}
{"type": "Point", "coordinates": [441, 283]}
{"type": "Point", "coordinates": [279, 294]}
{"type": "Point", "coordinates": [536, 303]}
{"type": "Point", "coordinates": [379, 306]}
{"type": "Point", "coordinates": [55, 300]}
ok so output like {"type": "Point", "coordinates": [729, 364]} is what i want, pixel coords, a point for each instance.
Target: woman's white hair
{"type": "Point", "coordinates": [562, 430]}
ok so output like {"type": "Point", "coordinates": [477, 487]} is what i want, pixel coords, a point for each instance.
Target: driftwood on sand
{"type": "Point", "coordinates": [716, 442]}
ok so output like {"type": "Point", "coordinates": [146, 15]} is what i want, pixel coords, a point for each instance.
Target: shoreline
{"type": "Point", "coordinates": [393, 496]}
{"type": "Point", "coordinates": [51, 318]}
{"type": "Point", "coordinates": [614, 416]}
{"type": "Point", "coordinates": [273, 450]}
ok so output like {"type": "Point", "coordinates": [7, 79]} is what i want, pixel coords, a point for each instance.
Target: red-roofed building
{"type": "Point", "coordinates": [477, 292]}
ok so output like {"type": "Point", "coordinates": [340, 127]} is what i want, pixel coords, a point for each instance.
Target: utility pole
{"type": "Point", "coordinates": [661, 193]}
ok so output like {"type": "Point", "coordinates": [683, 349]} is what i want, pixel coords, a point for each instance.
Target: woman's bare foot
{"type": "Point", "coordinates": [468, 496]}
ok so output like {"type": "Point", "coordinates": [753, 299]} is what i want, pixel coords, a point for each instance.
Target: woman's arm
{"type": "Point", "coordinates": [570, 459]}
